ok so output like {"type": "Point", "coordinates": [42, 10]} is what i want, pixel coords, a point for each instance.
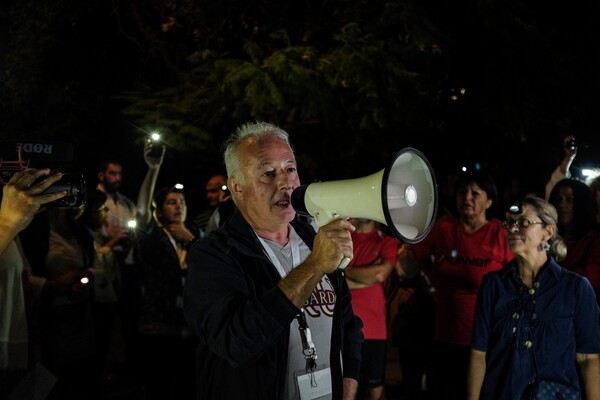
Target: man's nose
{"type": "Point", "coordinates": [285, 181]}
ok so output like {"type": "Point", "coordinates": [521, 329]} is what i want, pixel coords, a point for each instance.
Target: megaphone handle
{"type": "Point", "coordinates": [344, 263]}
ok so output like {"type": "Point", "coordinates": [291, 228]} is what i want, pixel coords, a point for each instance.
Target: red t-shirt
{"type": "Point", "coordinates": [369, 303]}
{"type": "Point", "coordinates": [459, 260]}
{"type": "Point", "coordinates": [583, 257]}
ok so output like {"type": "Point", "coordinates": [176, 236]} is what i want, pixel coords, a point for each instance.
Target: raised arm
{"type": "Point", "coordinates": [562, 171]}
{"type": "Point", "coordinates": [144, 200]}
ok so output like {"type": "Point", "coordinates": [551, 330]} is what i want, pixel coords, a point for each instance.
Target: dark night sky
{"type": "Point", "coordinates": [95, 58]}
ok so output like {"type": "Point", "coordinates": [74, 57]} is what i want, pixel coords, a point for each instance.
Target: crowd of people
{"type": "Point", "coordinates": [247, 299]}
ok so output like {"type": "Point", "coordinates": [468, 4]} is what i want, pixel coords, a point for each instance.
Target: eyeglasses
{"type": "Point", "coordinates": [520, 223]}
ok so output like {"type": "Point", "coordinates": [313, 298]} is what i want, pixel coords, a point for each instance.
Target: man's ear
{"type": "Point", "coordinates": [235, 188]}
{"type": "Point", "coordinates": [100, 176]}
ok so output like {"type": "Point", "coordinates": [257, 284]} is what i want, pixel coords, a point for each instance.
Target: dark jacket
{"type": "Point", "coordinates": [161, 276]}
{"type": "Point", "coordinates": [242, 317]}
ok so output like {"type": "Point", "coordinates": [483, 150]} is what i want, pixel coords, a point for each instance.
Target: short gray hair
{"type": "Point", "coordinates": [256, 130]}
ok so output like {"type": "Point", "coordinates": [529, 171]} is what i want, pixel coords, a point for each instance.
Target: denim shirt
{"type": "Point", "coordinates": [534, 333]}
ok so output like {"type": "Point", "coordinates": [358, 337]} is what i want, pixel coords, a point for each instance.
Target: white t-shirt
{"type": "Point", "coordinates": [318, 308]}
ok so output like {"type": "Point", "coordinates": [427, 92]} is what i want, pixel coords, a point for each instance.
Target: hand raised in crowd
{"type": "Point", "coordinates": [570, 146]}
{"type": "Point", "coordinates": [23, 197]}
{"type": "Point", "coordinates": [152, 161]}
{"type": "Point", "coordinates": [332, 244]}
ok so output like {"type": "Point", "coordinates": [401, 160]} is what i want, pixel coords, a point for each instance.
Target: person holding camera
{"type": "Point", "coordinates": [264, 293]}
{"type": "Point", "coordinates": [22, 198]}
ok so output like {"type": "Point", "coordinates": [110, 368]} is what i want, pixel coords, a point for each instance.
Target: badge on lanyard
{"type": "Point", "coordinates": [314, 382]}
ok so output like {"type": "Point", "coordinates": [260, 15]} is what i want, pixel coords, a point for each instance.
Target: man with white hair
{"type": "Point", "coordinates": [264, 293]}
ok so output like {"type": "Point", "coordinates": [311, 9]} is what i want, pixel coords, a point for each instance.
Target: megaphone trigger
{"type": "Point", "coordinates": [344, 263]}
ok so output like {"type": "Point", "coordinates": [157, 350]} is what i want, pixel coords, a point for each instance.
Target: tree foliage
{"type": "Point", "coordinates": [338, 80]}
{"type": "Point", "coordinates": [354, 77]}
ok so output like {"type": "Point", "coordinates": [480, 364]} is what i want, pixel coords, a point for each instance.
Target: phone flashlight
{"type": "Point", "coordinates": [85, 280]}
{"type": "Point", "coordinates": [132, 224]}
{"type": "Point", "coordinates": [225, 190]}
{"type": "Point", "coordinates": [154, 140]}
{"type": "Point", "coordinates": [571, 144]}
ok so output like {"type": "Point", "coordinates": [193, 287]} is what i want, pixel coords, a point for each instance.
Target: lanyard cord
{"type": "Point", "coordinates": [308, 347]}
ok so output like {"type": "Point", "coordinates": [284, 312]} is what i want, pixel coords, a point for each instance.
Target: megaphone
{"type": "Point", "coordinates": [402, 196]}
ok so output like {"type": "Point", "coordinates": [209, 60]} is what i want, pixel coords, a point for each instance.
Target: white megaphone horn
{"type": "Point", "coordinates": [402, 196]}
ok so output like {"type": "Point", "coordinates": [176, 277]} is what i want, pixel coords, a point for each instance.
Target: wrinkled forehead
{"type": "Point", "coordinates": [255, 151]}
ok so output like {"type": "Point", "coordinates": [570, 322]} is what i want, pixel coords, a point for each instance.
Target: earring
{"type": "Point", "coordinates": [545, 246]}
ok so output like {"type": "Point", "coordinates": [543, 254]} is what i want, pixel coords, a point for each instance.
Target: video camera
{"type": "Point", "coordinates": [18, 156]}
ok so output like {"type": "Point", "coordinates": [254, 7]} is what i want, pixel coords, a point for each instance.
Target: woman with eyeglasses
{"type": "Point", "coordinates": [167, 344]}
{"type": "Point", "coordinates": [457, 253]}
{"type": "Point", "coordinates": [536, 323]}
{"type": "Point", "coordinates": [576, 207]}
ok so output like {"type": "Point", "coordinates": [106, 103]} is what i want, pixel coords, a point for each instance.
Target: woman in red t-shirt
{"type": "Point", "coordinates": [457, 253]}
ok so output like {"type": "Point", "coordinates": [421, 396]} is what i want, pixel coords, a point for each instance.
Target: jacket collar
{"type": "Point", "coordinates": [240, 234]}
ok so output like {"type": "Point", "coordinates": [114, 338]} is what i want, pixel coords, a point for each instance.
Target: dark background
{"type": "Point", "coordinates": [353, 82]}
